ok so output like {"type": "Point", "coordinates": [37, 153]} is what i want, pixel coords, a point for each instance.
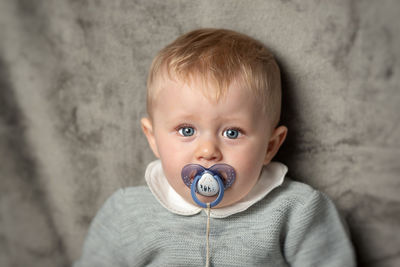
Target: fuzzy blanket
{"type": "Point", "coordinates": [72, 92]}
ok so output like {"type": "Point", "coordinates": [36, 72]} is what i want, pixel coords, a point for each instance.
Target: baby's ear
{"type": "Point", "coordinates": [276, 140]}
{"type": "Point", "coordinates": [147, 127]}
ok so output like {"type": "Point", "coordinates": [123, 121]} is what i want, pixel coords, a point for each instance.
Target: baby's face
{"type": "Point", "coordinates": [187, 127]}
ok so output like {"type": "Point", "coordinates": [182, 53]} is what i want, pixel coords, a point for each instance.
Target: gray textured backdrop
{"type": "Point", "coordinates": [72, 91]}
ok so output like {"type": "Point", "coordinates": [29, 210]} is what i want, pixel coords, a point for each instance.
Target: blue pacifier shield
{"type": "Point", "coordinates": [208, 182]}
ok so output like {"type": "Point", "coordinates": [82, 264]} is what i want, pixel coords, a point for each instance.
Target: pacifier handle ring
{"type": "Point", "coordinates": [216, 201]}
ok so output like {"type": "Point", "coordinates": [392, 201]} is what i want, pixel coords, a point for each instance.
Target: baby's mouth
{"type": "Point", "coordinates": [193, 174]}
{"type": "Point", "coordinates": [208, 182]}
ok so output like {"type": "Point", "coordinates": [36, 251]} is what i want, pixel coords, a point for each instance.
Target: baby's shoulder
{"type": "Point", "coordinates": [133, 193]}
{"type": "Point", "coordinates": [131, 198]}
{"type": "Point", "coordinates": [295, 197]}
{"type": "Point", "coordinates": [296, 191]}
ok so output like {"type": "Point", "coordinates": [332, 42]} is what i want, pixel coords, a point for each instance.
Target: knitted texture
{"type": "Point", "coordinates": [294, 225]}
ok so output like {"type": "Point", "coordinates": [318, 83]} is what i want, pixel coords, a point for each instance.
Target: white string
{"type": "Point", "coordinates": [208, 235]}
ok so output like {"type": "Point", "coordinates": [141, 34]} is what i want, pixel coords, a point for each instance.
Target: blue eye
{"type": "Point", "coordinates": [231, 133]}
{"type": "Point", "coordinates": [186, 131]}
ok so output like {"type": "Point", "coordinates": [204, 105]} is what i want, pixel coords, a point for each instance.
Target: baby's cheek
{"type": "Point", "coordinates": [249, 174]}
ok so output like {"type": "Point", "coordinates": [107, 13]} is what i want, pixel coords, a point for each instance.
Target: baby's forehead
{"type": "Point", "coordinates": [212, 89]}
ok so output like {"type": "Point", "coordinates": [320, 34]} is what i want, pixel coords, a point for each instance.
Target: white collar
{"type": "Point", "coordinates": [271, 177]}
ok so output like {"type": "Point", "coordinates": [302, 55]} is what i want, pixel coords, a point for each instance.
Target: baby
{"type": "Point", "coordinates": [213, 103]}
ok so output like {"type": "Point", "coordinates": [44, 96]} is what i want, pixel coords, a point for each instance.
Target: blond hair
{"type": "Point", "coordinates": [220, 57]}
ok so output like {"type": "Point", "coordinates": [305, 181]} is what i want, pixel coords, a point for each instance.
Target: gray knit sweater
{"type": "Point", "coordinates": [293, 225]}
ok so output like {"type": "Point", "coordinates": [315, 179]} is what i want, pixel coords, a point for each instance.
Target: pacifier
{"type": "Point", "coordinates": [208, 181]}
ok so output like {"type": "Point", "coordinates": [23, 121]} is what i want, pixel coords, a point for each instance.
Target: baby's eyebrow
{"type": "Point", "coordinates": [182, 118]}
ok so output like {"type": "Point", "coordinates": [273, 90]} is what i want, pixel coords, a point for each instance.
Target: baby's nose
{"type": "Point", "coordinates": [208, 150]}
